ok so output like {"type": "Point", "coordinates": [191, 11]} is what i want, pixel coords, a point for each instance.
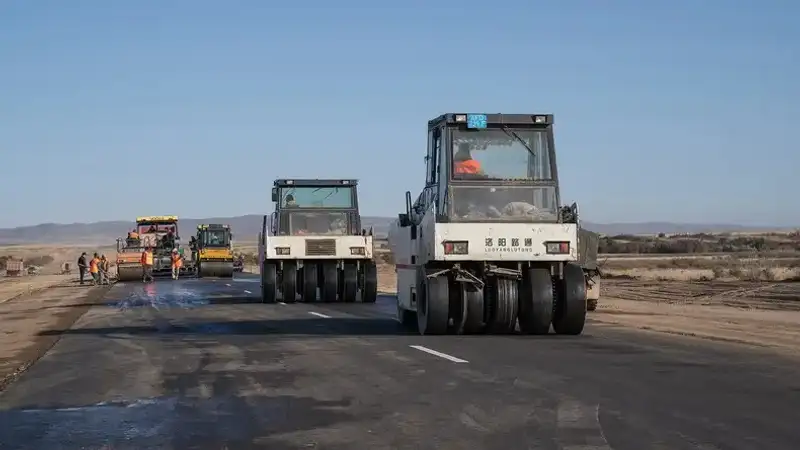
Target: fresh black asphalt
{"type": "Point", "coordinates": [201, 364]}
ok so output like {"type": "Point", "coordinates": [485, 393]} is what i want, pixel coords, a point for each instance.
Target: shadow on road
{"type": "Point", "coordinates": [288, 327]}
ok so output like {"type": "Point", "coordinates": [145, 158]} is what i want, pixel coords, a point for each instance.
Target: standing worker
{"type": "Point", "coordinates": [147, 265]}
{"type": "Point", "coordinates": [82, 266]}
{"type": "Point", "coordinates": [104, 266]}
{"type": "Point", "coordinates": [177, 262]}
{"type": "Point", "coordinates": [94, 268]}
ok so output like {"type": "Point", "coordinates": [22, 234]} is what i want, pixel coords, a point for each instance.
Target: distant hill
{"type": "Point", "coordinates": [247, 228]}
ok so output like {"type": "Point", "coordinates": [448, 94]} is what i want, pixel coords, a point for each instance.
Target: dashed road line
{"type": "Point", "coordinates": [247, 292]}
{"type": "Point", "coordinates": [282, 303]}
{"type": "Point", "coordinates": [319, 315]}
{"type": "Point", "coordinates": [439, 354]}
{"type": "Point", "coordinates": [228, 284]}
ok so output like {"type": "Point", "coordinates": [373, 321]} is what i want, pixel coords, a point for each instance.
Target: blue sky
{"type": "Point", "coordinates": [665, 110]}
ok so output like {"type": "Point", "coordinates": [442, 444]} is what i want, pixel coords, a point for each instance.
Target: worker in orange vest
{"type": "Point", "coordinates": [94, 269]}
{"type": "Point", "coordinates": [177, 262]}
{"type": "Point", "coordinates": [463, 162]}
{"type": "Point", "coordinates": [147, 265]}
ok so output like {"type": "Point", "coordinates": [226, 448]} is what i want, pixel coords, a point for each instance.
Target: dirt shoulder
{"type": "Point", "coordinates": [759, 314]}
{"type": "Point", "coordinates": [24, 317]}
{"type": "Point", "coordinates": [11, 288]}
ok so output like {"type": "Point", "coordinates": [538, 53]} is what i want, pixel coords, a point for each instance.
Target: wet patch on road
{"type": "Point", "coordinates": [175, 294]}
{"type": "Point", "coordinates": [167, 423]}
{"type": "Point", "coordinates": [160, 295]}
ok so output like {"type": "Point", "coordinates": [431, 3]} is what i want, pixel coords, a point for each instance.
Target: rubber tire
{"type": "Point", "coordinates": [570, 313]}
{"type": "Point", "coordinates": [473, 300]}
{"type": "Point", "coordinates": [349, 287]}
{"type": "Point", "coordinates": [458, 308]}
{"type": "Point", "coordinates": [536, 301]}
{"type": "Point", "coordinates": [505, 293]}
{"type": "Point", "coordinates": [309, 291]}
{"type": "Point", "coordinates": [369, 290]}
{"type": "Point", "coordinates": [269, 282]}
{"type": "Point", "coordinates": [289, 282]}
{"type": "Point", "coordinates": [329, 289]}
{"type": "Point", "coordinates": [433, 306]}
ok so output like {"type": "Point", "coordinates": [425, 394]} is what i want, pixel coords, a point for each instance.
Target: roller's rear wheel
{"type": "Point", "coordinates": [289, 282]}
{"type": "Point", "coordinates": [330, 282]}
{"type": "Point", "coordinates": [570, 312]}
{"type": "Point", "coordinates": [536, 301]}
{"type": "Point", "coordinates": [369, 289]}
{"type": "Point", "coordinates": [474, 321]}
{"type": "Point", "coordinates": [504, 293]}
{"type": "Point", "coordinates": [309, 292]}
{"type": "Point", "coordinates": [349, 286]}
{"type": "Point", "coordinates": [433, 305]}
{"type": "Point", "coordinates": [269, 282]}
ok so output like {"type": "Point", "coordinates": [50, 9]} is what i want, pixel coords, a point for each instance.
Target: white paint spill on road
{"type": "Point", "coordinates": [228, 284]}
{"type": "Point", "coordinates": [281, 303]}
{"type": "Point", "coordinates": [319, 315]}
{"type": "Point", "coordinates": [247, 292]}
{"type": "Point", "coordinates": [439, 354]}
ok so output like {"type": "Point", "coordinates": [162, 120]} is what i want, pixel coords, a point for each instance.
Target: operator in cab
{"type": "Point", "coordinates": [463, 162]}
{"type": "Point", "coordinates": [290, 202]}
{"type": "Point", "coordinates": [133, 238]}
{"type": "Point", "coordinates": [169, 239]}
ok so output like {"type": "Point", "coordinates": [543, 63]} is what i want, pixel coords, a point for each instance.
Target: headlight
{"type": "Point", "coordinates": [557, 248]}
{"type": "Point", "coordinates": [456, 247]}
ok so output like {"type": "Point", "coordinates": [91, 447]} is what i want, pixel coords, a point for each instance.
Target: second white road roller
{"type": "Point", "coordinates": [313, 243]}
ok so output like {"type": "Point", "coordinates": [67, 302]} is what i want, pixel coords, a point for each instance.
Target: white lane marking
{"type": "Point", "coordinates": [319, 315]}
{"type": "Point", "coordinates": [282, 303]}
{"type": "Point", "coordinates": [228, 284]}
{"type": "Point", "coordinates": [439, 354]}
{"type": "Point", "coordinates": [247, 292]}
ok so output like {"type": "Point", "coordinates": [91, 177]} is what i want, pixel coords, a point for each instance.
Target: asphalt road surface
{"type": "Point", "coordinates": [200, 364]}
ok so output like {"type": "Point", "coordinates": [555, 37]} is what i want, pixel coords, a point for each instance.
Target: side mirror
{"type": "Point", "coordinates": [408, 203]}
{"type": "Point", "coordinates": [274, 194]}
{"type": "Point", "coordinates": [403, 219]}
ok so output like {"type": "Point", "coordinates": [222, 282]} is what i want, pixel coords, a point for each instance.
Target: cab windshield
{"type": "Point", "coordinates": [338, 197]}
{"type": "Point", "coordinates": [502, 154]}
{"type": "Point", "coordinates": [215, 238]}
{"type": "Point", "coordinates": [503, 203]}
{"type": "Point", "coordinates": [156, 228]}
{"type": "Point", "coordinates": [318, 223]}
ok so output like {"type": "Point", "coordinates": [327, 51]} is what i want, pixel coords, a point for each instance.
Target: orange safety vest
{"type": "Point", "coordinates": [176, 261]}
{"type": "Point", "coordinates": [147, 258]}
{"type": "Point", "coordinates": [93, 265]}
{"type": "Point", "coordinates": [469, 166]}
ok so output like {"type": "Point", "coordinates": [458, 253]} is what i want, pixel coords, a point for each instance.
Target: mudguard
{"type": "Point", "coordinates": [588, 246]}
